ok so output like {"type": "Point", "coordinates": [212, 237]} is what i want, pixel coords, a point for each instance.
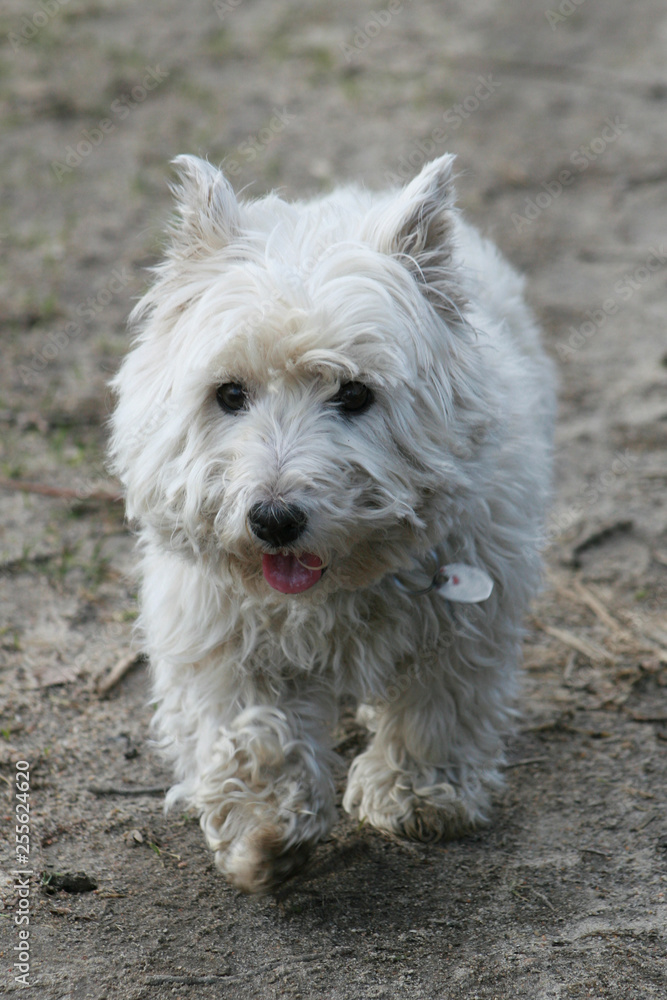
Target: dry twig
{"type": "Point", "coordinates": [528, 760]}
{"type": "Point", "coordinates": [117, 672]}
{"type": "Point", "coordinates": [129, 790]}
{"type": "Point", "coordinates": [18, 485]}
{"type": "Point", "coordinates": [594, 653]}
{"type": "Point", "coordinates": [594, 602]}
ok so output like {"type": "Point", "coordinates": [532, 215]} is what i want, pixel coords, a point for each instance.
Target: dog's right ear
{"type": "Point", "coordinates": [208, 214]}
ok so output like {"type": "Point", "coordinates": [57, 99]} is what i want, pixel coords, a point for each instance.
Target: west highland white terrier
{"type": "Point", "coordinates": [334, 432]}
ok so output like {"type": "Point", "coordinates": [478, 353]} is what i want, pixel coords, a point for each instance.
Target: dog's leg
{"type": "Point", "coordinates": [434, 758]}
{"type": "Point", "coordinates": [255, 766]}
{"type": "Point", "coordinates": [267, 794]}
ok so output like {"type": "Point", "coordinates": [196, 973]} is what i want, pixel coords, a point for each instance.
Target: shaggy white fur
{"type": "Point", "coordinates": [319, 394]}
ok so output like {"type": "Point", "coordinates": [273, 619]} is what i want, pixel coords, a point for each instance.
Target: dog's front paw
{"type": "Point", "coordinates": [257, 845]}
{"type": "Point", "coordinates": [419, 804]}
{"type": "Point", "coordinates": [261, 860]}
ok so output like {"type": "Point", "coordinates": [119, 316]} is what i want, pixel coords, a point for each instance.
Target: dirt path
{"type": "Point", "coordinates": [558, 117]}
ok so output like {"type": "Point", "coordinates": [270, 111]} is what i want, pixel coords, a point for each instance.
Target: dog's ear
{"type": "Point", "coordinates": [208, 214]}
{"type": "Point", "coordinates": [416, 227]}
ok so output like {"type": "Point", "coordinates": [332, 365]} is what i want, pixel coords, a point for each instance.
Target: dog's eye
{"type": "Point", "coordinates": [231, 396]}
{"type": "Point", "coordinates": [353, 397]}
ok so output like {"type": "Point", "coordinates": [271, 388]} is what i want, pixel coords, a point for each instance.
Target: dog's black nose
{"type": "Point", "coordinates": [277, 523]}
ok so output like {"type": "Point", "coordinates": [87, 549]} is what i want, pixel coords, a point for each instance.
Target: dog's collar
{"type": "Point", "coordinates": [454, 581]}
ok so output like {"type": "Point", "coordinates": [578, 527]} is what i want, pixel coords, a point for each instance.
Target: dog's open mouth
{"type": "Point", "coordinates": [292, 574]}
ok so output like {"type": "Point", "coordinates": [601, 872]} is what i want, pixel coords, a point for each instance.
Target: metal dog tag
{"type": "Point", "coordinates": [458, 582]}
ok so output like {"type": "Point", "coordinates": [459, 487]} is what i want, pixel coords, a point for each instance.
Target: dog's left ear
{"type": "Point", "coordinates": [209, 216]}
{"type": "Point", "coordinates": [416, 227]}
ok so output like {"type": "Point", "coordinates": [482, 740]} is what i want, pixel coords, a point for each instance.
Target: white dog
{"type": "Point", "coordinates": [326, 401]}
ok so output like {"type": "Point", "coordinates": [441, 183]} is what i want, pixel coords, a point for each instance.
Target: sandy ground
{"type": "Point", "coordinates": [558, 117]}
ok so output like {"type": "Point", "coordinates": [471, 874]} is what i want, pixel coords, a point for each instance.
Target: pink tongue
{"type": "Point", "coordinates": [290, 575]}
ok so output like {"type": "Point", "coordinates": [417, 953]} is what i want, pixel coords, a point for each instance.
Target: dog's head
{"type": "Point", "coordinates": [299, 405]}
